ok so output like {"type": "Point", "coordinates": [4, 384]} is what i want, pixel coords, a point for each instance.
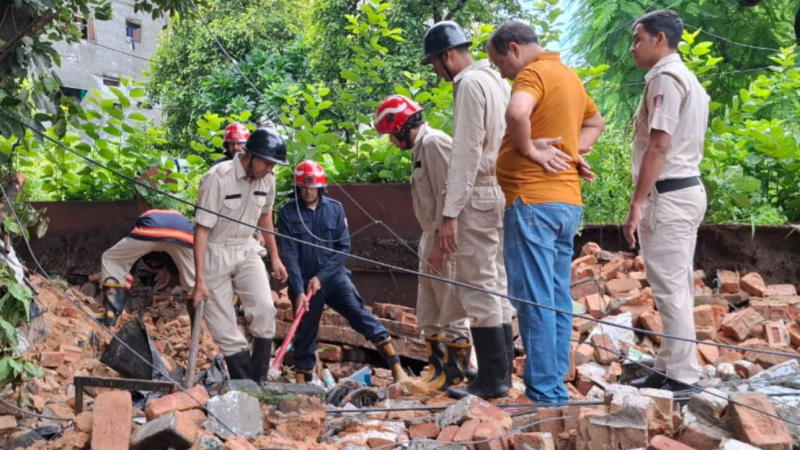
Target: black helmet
{"type": "Point", "coordinates": [441, 37]}
{"type": "Point", "coordinates": [267, 144]}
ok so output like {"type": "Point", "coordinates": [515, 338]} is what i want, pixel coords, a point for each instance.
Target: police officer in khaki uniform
{"type": "Point", "coordinates": [228, 259]}
{"type": "Point", "coordinates": [473, 206]}
{"type": "Point", "coordinates": [669, 200]}
{"type": "Point", "coordinates": [440, 316]}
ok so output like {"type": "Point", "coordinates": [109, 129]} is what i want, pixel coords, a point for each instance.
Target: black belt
{"type": "Point", "coordinates": [673, 184]}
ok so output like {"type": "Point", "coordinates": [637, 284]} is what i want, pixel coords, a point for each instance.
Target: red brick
{"type": "Point", "coordinates": [710, 353]}
{"type": "Point", "coordinates": [794, 334]}
{"type": "Point", "coordinates": [617, 286]}
{"type": "Point", "coordinates": [584, 287]}
{"type": "Point", "coordinates": [582, 325]}
{"type": "Point", "coordinates": [583, 384]}
{"type": "Point", "coordinates": [8, 422]}
{"type": "Point", "coordinates": [111, 421]}
{"type": "Point", "coordinates": [537, 441]}
{"type": "Point", "coordinates": [51, 360]}
{"type": "Point", "coordinates": [486, 431]}
{"type": "Point", "coordinates": [704, 316]}
{"type": "Point", "coordinates": [746, 369]}
{"type": "Point", "coordinates": [774, 290]}
{"type": "Point", "coordinates": [661, 442]}
{"type": "Point", "coordinates": [738, 325]}
{"type": "Point", "coordinates": [550, 426]}
{"type": "Point", "coordinates": [390, 311]}
{"type": "Point", "coordinates": [756, 428]}
{"type": "Point", "coordinates": [776, 333]}
{"type": "Point", "coordinates": [519, 365]}
{"type": "Point", "coordinates": [638, 263]}
{"type": "Point", "coordinates": [466, 430]}
{"type": "Point", "coordinates": [583, 354]}
{"type": "Point", "coordinates": [408, 318]}
{"type": "Point", "coordinates": [590, 248]}
{"type": "Point", "coordinates": [197, 416]}
{"type": "Point", "coordinates": [448, 433]}
{"type": "Point", "coordinates": [610, 269]}
{"type": "Point", "coordinates": [427, 430]}
{"type": "Point", "coordinates": [601, 343]}
{"type": "Point", "coordinates": [641, 277]}
{"type": "Point", "coordinates": [728, 281]}
{"type": "Point", "coordinates": [178, 401]}
{"type": "Point", "coordinates": [596, 305]}
{"type": "Point", "coordinates": [651, 321]}
{"type": "Point", "coordinates": [753, 284]}
{"type": "Point", "coordinates": [330, 352]}
{"type": "Point", "coordinates": [588, 260]}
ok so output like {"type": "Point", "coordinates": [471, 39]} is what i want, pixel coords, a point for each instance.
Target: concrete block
{"type": "Point", "coordinates": [239, 412]}
{"type": "Point", "coordinates": [171, 431]}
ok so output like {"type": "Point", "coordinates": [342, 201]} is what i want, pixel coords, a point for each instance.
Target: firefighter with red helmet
{"type": "Point", "coordinates": [318, 277]}
{"type": "Point", "coordinates": [440, 316]}
{"type": "Point", "coordinates": [233, 140]}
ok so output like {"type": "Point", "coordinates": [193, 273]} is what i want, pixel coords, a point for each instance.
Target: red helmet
{"type": "Point", "coordinates": [236, 132]}
{"type": "Point", "coordinates": [310, 174]}
{"type": "Point", "coordinates": [393, 112]}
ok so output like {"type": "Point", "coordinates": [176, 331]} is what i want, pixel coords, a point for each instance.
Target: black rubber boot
{"type": "Point", "coordinates": [259, 361]}
{"type": "Point", "coordinates": [239, 365]}
{"type": "Point", "coordinates": [509, 336]}
{"type": "Point", "coordinates": [387, 352]}
{"type": "Point", "coordinates": [492, 378]}
{"type": "Point", "coordinates": [115, 295]}
{"type": "Point", "coordinates": [435, 352]}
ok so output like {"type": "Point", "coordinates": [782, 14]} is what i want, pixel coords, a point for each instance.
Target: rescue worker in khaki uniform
{"type": "Point", "coordinates": [319, 277]}
{"type": "Point", "coordinates": [473, 207]}
{"type": "Point", "coordinates": [228, 259]}
{"type": "Point", "coordinates": [669, 200]}
{"type": "Point", "coordinates": [156, 230]}
{"type": "Point", "coordinates": [440, 316]}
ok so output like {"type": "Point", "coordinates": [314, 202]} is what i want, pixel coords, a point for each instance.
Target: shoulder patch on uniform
{"type": "Point", "coordinates": [230, 196]}
{"type": "Point", "coordinates": [658, 100]}
{"type": "Point", "coordinates": [261, 193]}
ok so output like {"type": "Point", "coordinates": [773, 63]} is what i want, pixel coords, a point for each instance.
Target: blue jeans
{"type": "Point", "coordinates": [538, 254]}
{"type": "Point", "coordinates": [340, 294]}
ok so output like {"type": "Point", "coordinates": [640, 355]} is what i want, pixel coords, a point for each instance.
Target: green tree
{"type": "Point", "coordinates": [603, 31]}
{"type": "Point", "coordinates": [190, 75]}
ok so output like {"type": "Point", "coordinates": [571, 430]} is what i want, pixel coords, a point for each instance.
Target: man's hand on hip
{"type": "Point", "coordinates": [548, 156]}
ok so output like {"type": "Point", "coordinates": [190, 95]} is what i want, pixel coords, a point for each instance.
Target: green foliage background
{"type": "Point", "coordinates": [319, 68]}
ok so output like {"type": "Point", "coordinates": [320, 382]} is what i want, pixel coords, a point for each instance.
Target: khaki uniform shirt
{"type": "Point", "coordinates": [431, 153]}
{"type": "Point", "coordinates": [480, 98]}
{"type": "Point", "coordinates": [676, 103]}
{"type": "Point", "coordinates": [227, 190]}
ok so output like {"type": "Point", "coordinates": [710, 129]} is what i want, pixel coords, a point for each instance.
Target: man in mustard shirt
{"type": "Point", "coordinates": [543, 196]}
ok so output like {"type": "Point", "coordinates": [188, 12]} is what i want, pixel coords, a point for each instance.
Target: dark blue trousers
{"type": "Point", "coordinates": [340, 294]}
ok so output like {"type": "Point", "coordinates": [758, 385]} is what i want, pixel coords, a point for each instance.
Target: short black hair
{"type": "Point", "coordinates": [512, 31]}
{"type": "Point", "coordinates": [666, 21]}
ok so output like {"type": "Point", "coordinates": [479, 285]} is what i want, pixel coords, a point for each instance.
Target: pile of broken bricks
{"type": "Point", "coordinates": [741, 310]}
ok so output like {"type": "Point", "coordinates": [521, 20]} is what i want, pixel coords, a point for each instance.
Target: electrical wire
{"type": "Point", "coordinates": [730, 41]}
{"type": "Point", "coordinates": [113, 336]}
{"type": "Point", "coordinates": [387, 265]}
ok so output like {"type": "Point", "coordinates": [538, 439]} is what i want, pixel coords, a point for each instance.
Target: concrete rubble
{"type": "Point", "coordinates": [738, 309]}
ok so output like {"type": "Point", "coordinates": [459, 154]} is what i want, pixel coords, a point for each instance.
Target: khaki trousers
{"type": "Point", "coordinates": [480, 227]}
{"type": "Point", "coordinates": [117, 261]}
{"type": "Point", "coordinates": [668, 234]}
{"type": "Point", "coordinates": [502, 284]}
{"type": "Point", "coordinates": [235, 266]}
{"type": "Point", "coordinates": [439, 312]}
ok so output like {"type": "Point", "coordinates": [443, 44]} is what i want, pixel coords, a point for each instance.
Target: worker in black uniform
{"type": "Point", "coordinates": [318, 277]}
